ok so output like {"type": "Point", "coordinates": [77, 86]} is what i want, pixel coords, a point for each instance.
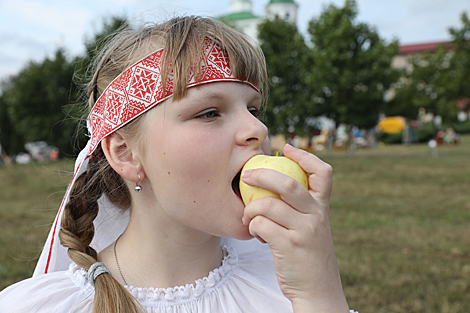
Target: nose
{"type": "Point", "coordinates": [251, 131]}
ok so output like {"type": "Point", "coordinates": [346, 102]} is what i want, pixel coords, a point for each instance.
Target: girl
{"type": "Point", "coordinates": [172, 122]}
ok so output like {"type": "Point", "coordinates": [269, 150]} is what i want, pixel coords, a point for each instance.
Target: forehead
{"type": "Point", "coordinates": [223, 91]}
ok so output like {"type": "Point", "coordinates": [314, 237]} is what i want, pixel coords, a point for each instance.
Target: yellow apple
{"type": "Point", "coordinates": [278, 163]}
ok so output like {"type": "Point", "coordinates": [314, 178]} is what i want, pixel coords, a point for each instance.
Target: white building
{"type": "Point", "coordinates": [283, 9]}
{"type": "Point", "coordinates": [240, 14]}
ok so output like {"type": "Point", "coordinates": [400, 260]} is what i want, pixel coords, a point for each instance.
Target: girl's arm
{"type": "Point", "coordinates": [297, 230]}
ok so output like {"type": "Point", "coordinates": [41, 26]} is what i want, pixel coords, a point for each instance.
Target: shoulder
{"type": "Point", "coordinates": [54, 292]}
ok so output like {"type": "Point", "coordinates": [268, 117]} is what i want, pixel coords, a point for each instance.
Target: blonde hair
{"type": "Point", "coordinates": [182, 39]}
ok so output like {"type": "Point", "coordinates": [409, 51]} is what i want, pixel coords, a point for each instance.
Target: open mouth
{"type": "Point", "coordinates": [236, 184]}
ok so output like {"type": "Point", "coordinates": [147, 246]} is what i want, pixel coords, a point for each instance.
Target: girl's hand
{"type": "Point", "coordinates": [297, 230]}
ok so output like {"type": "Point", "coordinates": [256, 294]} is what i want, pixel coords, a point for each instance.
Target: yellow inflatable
{"type": "Point", "coordinates": [392, 124]}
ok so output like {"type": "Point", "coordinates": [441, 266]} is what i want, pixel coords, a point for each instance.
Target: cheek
{"type": "Point", "coordinates": [196, 148]}
{"type": "Point", "coordinates": [191, 160]}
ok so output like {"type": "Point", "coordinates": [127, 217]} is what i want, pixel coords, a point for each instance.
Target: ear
{"type": "Point", "coordinates": [122, 158]}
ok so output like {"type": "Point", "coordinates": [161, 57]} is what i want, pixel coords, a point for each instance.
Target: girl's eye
{"type": "Point", "coordinates": [209, 114]}
{"type": "Point", "coordinates": [254, 111]}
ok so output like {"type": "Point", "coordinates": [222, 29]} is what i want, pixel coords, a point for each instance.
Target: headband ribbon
{"type": "Point", "coordinates": [140, 88]}
{"type": "Point", "coordinates": [134, 92]}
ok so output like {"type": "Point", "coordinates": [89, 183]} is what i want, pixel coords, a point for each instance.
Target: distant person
{"type": "Point", "coordinates": [450, 137]}
{"type": "Point", "coordinates": [153, 220]}
{"type": "Point", "coordinates": [54, 154]}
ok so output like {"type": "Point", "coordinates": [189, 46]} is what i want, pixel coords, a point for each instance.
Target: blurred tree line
{"type": "Point", "coordinates": [342, 71]}
{"type": "Point", "coordinates": [437, 80]}
{"type": "Point", "coordinates": [44, 101]}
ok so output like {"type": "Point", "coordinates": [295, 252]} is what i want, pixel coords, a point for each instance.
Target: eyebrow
{"type": "Point", "coordinates": [214, 95]}
{"type": "Point", "coordinates": [220, 96]}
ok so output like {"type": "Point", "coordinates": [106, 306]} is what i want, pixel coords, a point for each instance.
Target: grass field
{"type": "Point", "coordinates": [400, 220]}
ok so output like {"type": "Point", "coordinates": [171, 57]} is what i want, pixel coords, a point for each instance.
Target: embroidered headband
{"type": "Point", "coordinates": [140, 88]}
{"type": "Point", "coordinates": [134, 92]}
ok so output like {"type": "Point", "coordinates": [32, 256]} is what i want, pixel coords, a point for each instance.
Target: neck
{"type": "Point", "coordinates": [153, 252]}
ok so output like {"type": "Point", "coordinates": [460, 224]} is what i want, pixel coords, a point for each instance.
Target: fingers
{"type": "Point", "coordinates": [321, 173]}
{"type": "Point", "coordinates": [309, 162]}
{"type": "Point", "coordinates": [274, 209]}
{"type": "Point", "coordinates": [267, 231]}
{"type": "Point", "coordinates": [290, 190]}
{"type": "Point", "coordinates": [272, 221]}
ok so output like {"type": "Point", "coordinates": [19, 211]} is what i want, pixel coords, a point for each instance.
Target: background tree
{"type": "Point", "coordinates": [288, 61]}
{"type": "Point", "coordinates": [424, 85]}
{"type": "Point", "coordinates": [42, 101]}
{"type": "Point", "coordinates": [34, 100]}
{"type": "Point", "coordinates": [7, 131]}
{"type": "Point", "coordinates": [439, 79]}
{"type": "Point", "coordinates": [352, 66]}
{"type": "Point", "coordinates": [459, 63]}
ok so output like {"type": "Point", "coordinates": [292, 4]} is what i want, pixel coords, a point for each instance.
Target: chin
{"type": "Point", "coordinates": [230, 224]}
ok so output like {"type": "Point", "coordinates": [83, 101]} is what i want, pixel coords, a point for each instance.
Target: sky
{"type": "Point", "coordinates": [35, 29]}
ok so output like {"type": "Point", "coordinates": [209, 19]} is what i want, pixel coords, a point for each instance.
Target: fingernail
{"type": "Point", "coordinates": [246, 174]}
{"type": "Point", "coordinates": [288, 146]}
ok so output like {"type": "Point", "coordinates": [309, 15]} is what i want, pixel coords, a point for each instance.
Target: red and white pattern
{"type": "Point", "coordinates": [140, 88]}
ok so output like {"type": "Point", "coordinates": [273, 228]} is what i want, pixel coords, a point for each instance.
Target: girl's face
{"type": "Point", "coordinates": [194, 149]}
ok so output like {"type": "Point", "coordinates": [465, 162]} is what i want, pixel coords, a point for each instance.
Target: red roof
{"type": "Point", "coordinates": [424, 47]}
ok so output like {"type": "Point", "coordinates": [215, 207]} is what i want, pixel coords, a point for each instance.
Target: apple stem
{"type": "Point", "coordinates": [277, 153]}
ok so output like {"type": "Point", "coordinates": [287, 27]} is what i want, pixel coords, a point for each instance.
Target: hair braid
{"type": "Point", "coordinates": [77, 231]}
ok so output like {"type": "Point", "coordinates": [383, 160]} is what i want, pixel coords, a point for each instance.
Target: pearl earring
{"type": "Point", "coordinates": [138, 187]}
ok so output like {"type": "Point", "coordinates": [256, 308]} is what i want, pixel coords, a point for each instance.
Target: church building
{"type": "Point", "coordinates": [240, 15]}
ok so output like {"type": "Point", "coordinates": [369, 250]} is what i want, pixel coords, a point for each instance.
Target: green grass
{"type": "Point", "coordinates": [29, 198]}
{"type": "Point", "coordinates": [400, 219]}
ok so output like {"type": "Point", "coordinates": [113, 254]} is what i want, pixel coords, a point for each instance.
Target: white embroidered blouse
{"type": "Point", "coordinates": [243, 283]}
